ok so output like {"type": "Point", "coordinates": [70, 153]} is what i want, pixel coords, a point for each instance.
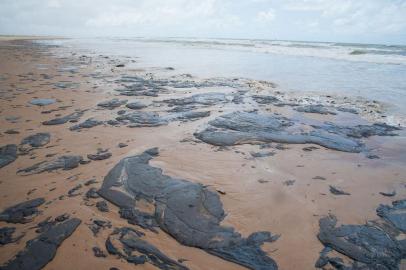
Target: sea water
{"type": "Point", "coordinates": [375, 72]}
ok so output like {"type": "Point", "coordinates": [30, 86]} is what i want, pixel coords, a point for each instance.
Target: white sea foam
{"type": "Point", "coordinates": [385, 54]}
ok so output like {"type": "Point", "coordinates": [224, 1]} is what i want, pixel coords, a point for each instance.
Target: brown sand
{"type": "Point", "coordinates": [19, 37]}
{"type": "Point", "coordinates": [291, 211]}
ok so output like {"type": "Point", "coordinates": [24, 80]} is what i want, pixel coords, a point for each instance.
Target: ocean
{"type": "Point", "coordinates": [374, 72]}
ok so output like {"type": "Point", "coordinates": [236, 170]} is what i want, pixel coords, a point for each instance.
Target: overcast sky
{"type": "Point", "coordinates": [366, 21]}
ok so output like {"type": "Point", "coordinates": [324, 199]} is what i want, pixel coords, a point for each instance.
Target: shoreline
{"type": "Point", "coordinates": [28, 37]}
{"type": "Point", "coordinates": [254, 190]}
{"type": "Point", "coordinates": [315, 76]}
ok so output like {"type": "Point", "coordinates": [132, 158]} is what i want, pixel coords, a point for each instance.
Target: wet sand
{"type": "Point", "coordinates": [254, 191]}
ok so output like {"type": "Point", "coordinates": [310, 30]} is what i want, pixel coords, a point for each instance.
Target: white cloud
{"type": "Point", "coordinates": [156, 12]}
{"type": "Point", "coordinates": [345, 20]}
{"type": "Point", "coordinates": [304, 5]}
{"type": "Point", "coordinates": [356, 16]}
{"type": "Point", "coordinates": [54, 3]}
{"type": "Point", "coordinates": [265, 16]}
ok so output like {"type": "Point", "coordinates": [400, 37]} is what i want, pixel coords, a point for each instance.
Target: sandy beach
{"type": "Point", "coordinates": [257, 158]}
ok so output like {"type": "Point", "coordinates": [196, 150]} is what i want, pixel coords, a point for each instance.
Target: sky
{"type": "Point", "coordinates": [357, 21]}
